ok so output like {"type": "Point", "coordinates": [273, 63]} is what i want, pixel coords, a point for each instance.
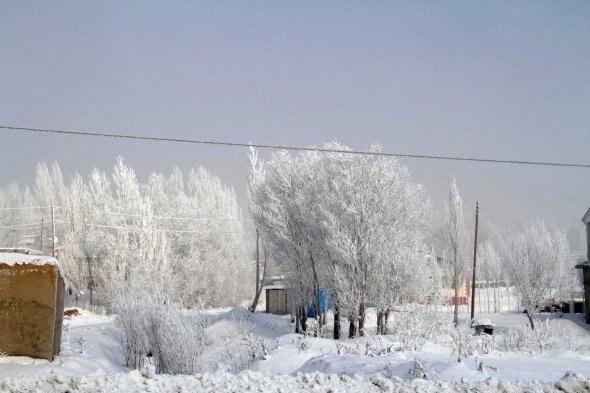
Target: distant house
{"type": "Point", "coordinates": [585, 266]}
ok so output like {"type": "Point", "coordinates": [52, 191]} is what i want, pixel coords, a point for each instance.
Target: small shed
{"type": "Point", "coordinates": [31, 304]}
{"type": "Point", "coordinates": [277, 301]}
{"type": "Point", "coordinates": [585, 266]}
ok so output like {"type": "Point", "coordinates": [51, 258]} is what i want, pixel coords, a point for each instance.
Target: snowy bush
{"type": "Point", "coordinates": [417, 370]}
{"type": "Point", "coordinates": [522, 338]}
{"type": "Point", "coordinates": [543, 336]}
{"type": "Point", "coordinates": [389, 370]}
{"type": "Point", "coordinates": [155, 331]}
{"type": "Point", "coordinates": [484, 343]}
{"type": "Point", "coordinates": [414, 327]}
{"type": "Point", "coordinates": [345, 349]}
{"type": "Point", "coordinates": [376, 345]}
{"type": "Point", "coordinates": [462, 340]}
{"type": "Point", "coordinates": [303, 344]}
{"type": "Point", "coordinates": [240, 346]}
{"type": "Point", "coordinates": [81, 340]}
{"type": "Point", "coordinates": [255, 346]}
{"type": "Point", "coordinates": [66, 348]}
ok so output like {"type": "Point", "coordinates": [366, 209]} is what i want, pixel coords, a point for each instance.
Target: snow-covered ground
{"type": "Point", "coordinates": [92, 361]}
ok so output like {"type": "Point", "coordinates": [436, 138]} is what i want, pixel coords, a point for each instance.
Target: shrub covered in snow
{"type": "Point", "coordinates": [414, 326]}
{"type": "Point", "coordinates": [155, 331]}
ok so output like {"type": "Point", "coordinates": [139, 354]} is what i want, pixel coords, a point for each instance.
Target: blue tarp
{"type": "Point", "coordinates": [325, 300]}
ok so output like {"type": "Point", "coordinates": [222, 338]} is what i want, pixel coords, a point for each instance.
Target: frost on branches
{"type": "Point", "coordinates": [348, 223]}
{"type": "Point", "coordinates": [538, 265]}
{"type": "Point", "coordinates": [182, 236]}
{"type": "Point", "coordinates": [456, 255]}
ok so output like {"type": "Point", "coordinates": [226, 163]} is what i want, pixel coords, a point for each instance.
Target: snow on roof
{"type": "Point", "coordinates": [15, 258]}
{"type": "Point", "coordinates": [275, 286]}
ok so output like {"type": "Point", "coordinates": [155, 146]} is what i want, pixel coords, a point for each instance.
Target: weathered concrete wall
{"type": "Point", "coordinates": [31, 310]}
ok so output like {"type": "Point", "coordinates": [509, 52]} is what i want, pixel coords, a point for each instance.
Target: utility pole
{"type": "Point", "coordinates": [257, 261]}
{"type": "Point", "coordinates": [474, 262]}
{"type": "Point", "coordinates": [41, 248]}
{"type": "Point", "coordinates": [53, 228]}
{"type": "Point", "coordinates": [258, 283]}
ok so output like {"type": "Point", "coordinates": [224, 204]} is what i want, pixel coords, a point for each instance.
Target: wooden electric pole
{"type": "Point", "coordinates": [474, 262]}
{"type": "Point", "coordinates": [257, 262]}
{"type": "Point", "coordinates": [41, 248]}
{"type": "Point", "coordinates": [258, 283]}
{"type": "Point", "coordinates": [53, 228]}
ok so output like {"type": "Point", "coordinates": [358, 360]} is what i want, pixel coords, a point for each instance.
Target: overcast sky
{"type": "Point", "coordinates": [503, 80]}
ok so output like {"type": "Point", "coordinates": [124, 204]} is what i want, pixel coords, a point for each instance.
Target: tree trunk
{"type": "Point", "coordinates": [297, 320]}
{"type": "Point", "coordinates": [300, 320]}
{"type": "Point", "coordinates": [488, 295]}
{"type": "Point", "coordinates": [351, 327]}
{"type": "Point", "coordinates": [456, 309]}
{"type": "Point", "coordinates": [529, 315]}
{"type": "Point", "coordinates": [382, 319]}
{"type": "Point", "coordinates": [362, 315]}
{"type": "Point", "coordinates": [336, 322]}
{"type": "Point", "coordinates": [495, 298]}
{"type": "Point", "coordinates": [303, 319]}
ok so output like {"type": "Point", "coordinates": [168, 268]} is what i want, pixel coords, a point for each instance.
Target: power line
{"type": "Point", "coordinates": [32, 218]}
{"type": "Point", "coordinates": [29, 207]}
{"type": "Point", "coordinates": [33, 225]}
{"type": "Point", "coordinates": [181, 218]}
{"type": "Point", "coordinates": [163, 230]}
{"type": "Point", "coordinates": [293, 148]}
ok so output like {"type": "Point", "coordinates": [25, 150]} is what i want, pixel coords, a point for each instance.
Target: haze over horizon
{"type": "Point", "coordinates": [495, 80]}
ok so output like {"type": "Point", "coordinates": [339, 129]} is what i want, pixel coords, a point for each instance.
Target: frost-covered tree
{"type": "Point", "coordinates": [282, 211]}
{"type": "Point", "coordinates": [376, 218]}
{"type": "Point", "coordinates": [490, 268]}
{"type": "Point", "coordinates": [456, 255]}
{"type": "Point", "coordinates": [536, 262]}
{"type": "Point", "coordinates": [349, 223]}
{"type": "Point", "coordinates": [50, 191]}
{"type": "Point", "coordinates": [16, 222]}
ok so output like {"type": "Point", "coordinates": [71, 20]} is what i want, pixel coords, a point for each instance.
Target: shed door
{"type": "Point", "coordinates": [273, 299]}
{"type": "Point", "coordinates": [281, 302]}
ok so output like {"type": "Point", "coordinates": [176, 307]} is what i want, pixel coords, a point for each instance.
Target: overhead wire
{"type": "Point", "coordinates": [164, 230]}
{"type": "Point", "coordinates": [181, 218]}
{"type": "Point", "coordinates": [29, 207]}
{"type": "Point", "coordinates": [292, 148]}
{"type": "Point", "coordinates": [33, 224]}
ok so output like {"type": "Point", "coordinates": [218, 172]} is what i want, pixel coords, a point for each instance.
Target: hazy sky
{"type": "Point", "coordinates": [505, 80]}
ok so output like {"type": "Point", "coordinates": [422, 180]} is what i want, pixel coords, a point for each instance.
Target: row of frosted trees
{"type": "Point", "coordinates": [355, 225]}
{"type": "Point", "coordinates": [536, 261]}
{"type": "Point", "coordinates": [183, 237]}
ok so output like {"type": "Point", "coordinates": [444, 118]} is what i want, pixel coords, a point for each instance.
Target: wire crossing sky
{"type": "Point", "coordinates": [295, 148]}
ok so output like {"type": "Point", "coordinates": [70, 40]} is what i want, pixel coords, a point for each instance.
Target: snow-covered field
{"type": "Point", "coordinates": [92, 361]}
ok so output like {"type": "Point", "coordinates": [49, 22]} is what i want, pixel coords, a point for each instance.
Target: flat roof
{"type": "Point", "coordinates": [14, 258]}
